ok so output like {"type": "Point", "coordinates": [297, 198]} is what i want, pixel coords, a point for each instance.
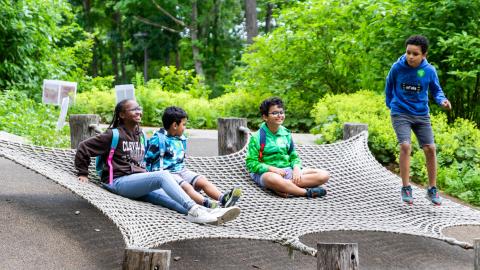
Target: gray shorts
{"type": "Point", "coordinates": [257, 177]}
{"type": "Point", "coordinates": [403, 124]}
{"type": "Point", "coordinates": [186, 176]}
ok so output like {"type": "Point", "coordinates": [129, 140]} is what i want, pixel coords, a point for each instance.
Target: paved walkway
{"type": "Point", "coordinates": [39, 228]}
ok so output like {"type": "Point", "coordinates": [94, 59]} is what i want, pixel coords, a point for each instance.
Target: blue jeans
{"type": "Point", "coordinates": [154, 187]}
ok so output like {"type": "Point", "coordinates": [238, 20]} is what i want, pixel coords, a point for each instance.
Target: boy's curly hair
{"type": "Point", "coordinates": [418, 40]}
{"type": "Point", "coordinates": [269, 102]}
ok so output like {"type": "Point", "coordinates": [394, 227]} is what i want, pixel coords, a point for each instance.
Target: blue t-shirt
{"type": "Point", "coordinates": [407, 88]}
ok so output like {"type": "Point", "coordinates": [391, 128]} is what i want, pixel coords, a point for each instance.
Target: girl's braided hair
{"type": "Point", "coordinates": [116, 120]}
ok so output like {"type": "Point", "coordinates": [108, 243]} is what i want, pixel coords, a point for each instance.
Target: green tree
{"type": "Point", "coordinates": [40, 40]}
{"type": "Point", "coordinates": [328, 46]}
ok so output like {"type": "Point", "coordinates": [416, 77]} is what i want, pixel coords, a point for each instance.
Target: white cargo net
{"type": "Point", "coordinates": [362, 196]}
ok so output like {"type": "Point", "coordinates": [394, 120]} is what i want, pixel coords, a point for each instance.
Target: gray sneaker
{"type": "Point", "coordinates": [225, 214]}
{"type": "Point", "coordinates": [200, 214]}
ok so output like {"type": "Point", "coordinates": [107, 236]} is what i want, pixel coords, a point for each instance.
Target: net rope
{"type": "Point", "coordinates": [362, 196]}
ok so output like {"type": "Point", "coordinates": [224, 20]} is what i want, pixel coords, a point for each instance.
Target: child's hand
{"type": "Point", "coordinates": [296, 176]}
{"type": "Point", "coordinates": [446, 104]}
{"type": "Point", "coordinates": [278, 171]}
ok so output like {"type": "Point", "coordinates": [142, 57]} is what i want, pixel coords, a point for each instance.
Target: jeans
{"type": "Point", "coordinates": [154, 187]}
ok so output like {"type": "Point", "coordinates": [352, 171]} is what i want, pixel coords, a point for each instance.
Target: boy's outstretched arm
{"type": "Point", "coordinates": [251, 161]}
{"type": "Point", "coordinates": [437, 92]}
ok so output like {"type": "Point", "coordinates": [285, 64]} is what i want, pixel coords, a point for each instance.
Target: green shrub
{"type": "Point", "coordinates": [363, 107]}
{"type": "Point", "coordinates": [37, 122]}
{"type": "Point", "coordinates": [458, 144]}
{"type": "Point", "coordinates": [96, 101]}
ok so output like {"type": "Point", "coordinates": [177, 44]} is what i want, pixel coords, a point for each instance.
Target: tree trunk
{"type": "Point", "coordinates": [194, 37]}
{"type": "Point", "coordinates": [140, 258]}
{"type": "Point", "coordinates": [251, 19]}
{"type": "Point", "coordinates": [231, 135]}
{"type": "Point", "coordinates": [338, 256]}
{"type": "Point", "coordinates": [352, 129]}
{"type": "Point", "coordinates": [82, 127]}
{"type": "Point", "coordinates": [268, 18]}
{"type": "Point", "coordinates": [120, 45]}
{"type": "Point", "coordinates": [145, 63]}
{"type": "Point", "coordinates": [177, 57]}
{"type": "Point", "coordinates": [476, 246]}
{"type": "Point", "coordinates": [114, 49]}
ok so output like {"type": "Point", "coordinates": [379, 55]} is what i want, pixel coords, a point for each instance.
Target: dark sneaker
{"type": "Point", "coordinates": [407, 194]}
{"type": "Point", "coordinates": [230, 198]}
{"type": "Point", "coordinates": [432, 195]}
{"type": "Point", "coordinates": [316, 192]}
{"type": "Point", "coordinates": [208, 203]}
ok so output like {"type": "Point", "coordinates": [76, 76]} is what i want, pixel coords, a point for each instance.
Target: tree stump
{"type": "Point", "coordinates": [338, 256]}
{"type": "Point", "coordinates": [476, 246]}
{"type": "Point", "coordinates": [352, 129]}
{"type": "Point", "coordinates": [146, 259]}
{"type": "Point", "coordinates": [82, 127]}
{"type": "Point", "coordinates": [232, 135]}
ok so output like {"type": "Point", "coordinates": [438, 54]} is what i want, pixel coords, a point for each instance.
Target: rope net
{"type": "Point", "coordinates": [362, 196]}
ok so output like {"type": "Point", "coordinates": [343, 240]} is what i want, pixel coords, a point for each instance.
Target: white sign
{"type": "Point", "coordinates": [63, 113]}
{"type": "Point", "coordinates": [124, 91]}
{"type": "Point", "coordinates": [54, 91]}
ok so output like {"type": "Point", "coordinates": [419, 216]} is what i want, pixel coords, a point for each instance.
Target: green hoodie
{"type": "Point", "coordinates": [275, 152]}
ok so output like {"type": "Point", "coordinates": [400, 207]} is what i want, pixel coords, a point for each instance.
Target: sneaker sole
{"type": "Point", "coordinates": [230, 215]}
{"type": "Point", "coordinates": [235, 196]}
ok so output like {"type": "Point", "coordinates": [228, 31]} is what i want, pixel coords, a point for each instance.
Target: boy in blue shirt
{"type": "Point", "coordinates": [166, 151]}
{"type": "Point", "coordinates": [408, 83]}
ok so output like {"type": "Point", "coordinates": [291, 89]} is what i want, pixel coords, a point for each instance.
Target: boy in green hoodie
{"type": "Point", "coordinates": [273, 162]}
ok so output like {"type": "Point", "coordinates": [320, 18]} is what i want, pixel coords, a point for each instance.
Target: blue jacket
{"type": "Point", "coordinates": [165, 152]}
{"type": "Point", "coordinates": [407, 88]}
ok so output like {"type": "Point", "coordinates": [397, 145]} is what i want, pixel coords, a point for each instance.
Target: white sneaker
{"type": "Point", "coordinates": [200, 214]}
{"type": "Point", "coordinates": [225, 214]}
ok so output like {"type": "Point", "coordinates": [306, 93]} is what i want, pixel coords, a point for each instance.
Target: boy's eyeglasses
{"type": "Point", "coordinates": [277, 113]}
{"type": "Point", "coordinates": [136, 109]}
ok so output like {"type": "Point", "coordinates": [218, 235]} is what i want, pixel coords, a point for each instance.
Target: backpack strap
{"type": "Point", "coordinates": [263, 139]}
{"type": "Point", "coordinates": [161, 147]}
{"type": "Point", "coordinates": [113, 146]}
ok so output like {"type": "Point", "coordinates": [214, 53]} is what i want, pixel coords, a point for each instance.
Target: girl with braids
{"type": "Point", "coordinates": [130, 179]}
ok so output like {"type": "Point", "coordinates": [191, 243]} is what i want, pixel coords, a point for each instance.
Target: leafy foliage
{"type": "Point", "coordinates": [23, 116]}
{"type": "Point", "coordinates": [330, 47]}
{"type": "Point", "coordinates": [40, 40]}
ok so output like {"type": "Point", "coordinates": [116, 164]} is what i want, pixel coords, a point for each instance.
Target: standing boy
{"type": "Point", "coordinates": [406, 91]}
{"type": "Point", "coordinates": [166, 151]}
{"type": "Point", "coordinates": [273, 162]}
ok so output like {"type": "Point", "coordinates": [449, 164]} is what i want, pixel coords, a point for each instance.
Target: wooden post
{"type": "Point", "coordinates": [338, 256]}
{"type": "Point", "coordinates": [352, 129]}
{"type": "Point", "coordinates": [146, 259]}
{"type": "Point", "coordinates": [476, 246]}
{"type": "Point", "coordinates": [231, 135]}
{"type": "Point", "coordinates": [82, 127]}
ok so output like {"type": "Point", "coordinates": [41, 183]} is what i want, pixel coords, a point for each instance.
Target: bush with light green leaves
{"type": "Point", "coordinates": [37, 122]}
